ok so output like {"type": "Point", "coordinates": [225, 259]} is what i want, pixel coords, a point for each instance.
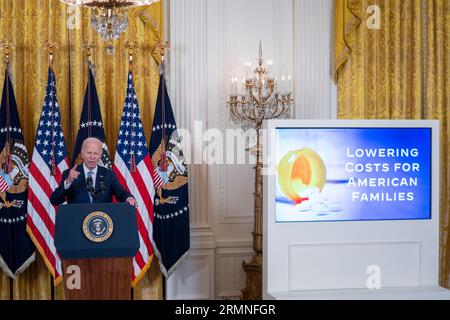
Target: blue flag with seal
{"type": "Point", "coordinates": [170, 177]}
{"type": "Point", "coordinates": [16, 247]}
{"type": "Point", "coordinates": [91, 124]}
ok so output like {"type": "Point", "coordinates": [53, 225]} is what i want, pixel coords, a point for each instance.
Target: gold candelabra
{"type": "Point", "coordinates": [263, 98]}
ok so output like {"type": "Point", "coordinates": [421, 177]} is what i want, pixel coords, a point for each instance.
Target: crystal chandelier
{"type": "Point", "coordinates": [109, 17]}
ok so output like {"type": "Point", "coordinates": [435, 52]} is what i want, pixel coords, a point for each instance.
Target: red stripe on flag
{"type": "Point", "coordinates": [37, 205]}
{"type": "Point", "coordinates": [157, 179]}
{"type": "Point", "coordinates": [39, 199]}
{"type": "Point", "coordinates": [138, 181]}
{"type": "Point", "coordinates": [3, 185]}
{"type": "Point", "coordinates": [148, 163]}
{"type": "Point", "coordinates": [40, 179]}
{"type": "Point", "coordinates": [140, 184]}
{"type": "Point", "coordinates": [139, 260]}
{"type": "Point", "coordinates": [58, 176]}
{"type": "Point", "coordinates": [146, 198]}
{"type": "Point", "coordinates": [43, 244]}
{"type": "Point", "coordinates": [144, 233]}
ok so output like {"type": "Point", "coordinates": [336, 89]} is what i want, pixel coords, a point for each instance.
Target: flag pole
{"type": "Point", "coordinates": [163, 46]}
{"type": "Point", "coordinates": [5, 44]}
{"type": "Point", "coordinates": [131, 45]}
{"type": "Point", "coordinates": [50, 46]}
{"type": "Point", "coordinates": [88, 47]}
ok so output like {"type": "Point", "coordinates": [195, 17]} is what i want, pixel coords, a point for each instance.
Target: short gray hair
{"type": "Point", "coordinates": [91, 140]}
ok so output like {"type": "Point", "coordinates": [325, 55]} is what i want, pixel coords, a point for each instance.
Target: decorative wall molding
{"type": "Point", "coordinates": [229, 257]}
{"type": "Point", "coordinates": [224, 213]}
{"type": "Point", "coordinates": [223, 245]}
{"type": "Point", "coordinates": [202, 238]}
{"type": "Point", "coordinates": [198, 267]}
{"type": "Point", "coordinates": [188, 87]}
{"type": "Point", "coordinates": [220, 118]}
{"type": "Point", "coordinates": [187, 65]}
{"type": "Point", "coordinates": [315, 91]}
{"type": "Point", "coordinates": [194, 279]}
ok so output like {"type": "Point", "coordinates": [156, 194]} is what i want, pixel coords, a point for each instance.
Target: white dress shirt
{"type": "Point", "coordinates": [94, 173]}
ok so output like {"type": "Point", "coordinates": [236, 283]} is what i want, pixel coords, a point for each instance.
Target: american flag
{"type": "Point", "coordinates": [132, 165]}
{"type": "Point", "coordinates": [48, 162]}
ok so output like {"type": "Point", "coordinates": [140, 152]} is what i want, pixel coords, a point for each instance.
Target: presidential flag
{"type": "Point", "coordinates": [171, 202]}
{"type": "Point", "coordinates": [48, 162]}
{"type": "Point", "coordinates": [133, 168]}
{"type": "Point", "coordinates": [16, 248]}
{"type": "Point", "coordinates": [91, 124]}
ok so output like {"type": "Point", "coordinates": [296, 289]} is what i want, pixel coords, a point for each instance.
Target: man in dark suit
{"type": "Point", "coordinates": [89, 182]}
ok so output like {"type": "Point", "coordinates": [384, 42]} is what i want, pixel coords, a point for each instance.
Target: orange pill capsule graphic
{"type": "Point", "coordinates": [300, 171]}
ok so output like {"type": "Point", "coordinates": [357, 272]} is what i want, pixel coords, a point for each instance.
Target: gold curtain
{"type": "Point", "coordinates": [400, 71]}
{"type": "Point", "coordinates": [28, 25]}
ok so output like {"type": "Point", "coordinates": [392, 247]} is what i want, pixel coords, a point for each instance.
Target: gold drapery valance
{"type": "Point", "coordinates": [28, 25]}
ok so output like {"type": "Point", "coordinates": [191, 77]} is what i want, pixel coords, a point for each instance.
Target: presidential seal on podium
{"type": "Point", "coordinates": [98, 226]}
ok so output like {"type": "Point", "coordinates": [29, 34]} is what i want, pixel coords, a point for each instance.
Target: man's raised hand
{"type": "Point", "coordinates": [73, 174]}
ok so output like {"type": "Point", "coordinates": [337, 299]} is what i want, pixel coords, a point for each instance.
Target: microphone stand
{"type": "Point", "coordinates": [101, 183]}
{"type": "Point", "coordinates": [91, 189]}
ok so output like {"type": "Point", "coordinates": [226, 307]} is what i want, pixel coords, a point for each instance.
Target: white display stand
{"type": "Point", "coordinates": [404, 293]}
{"type": "Point", "coordinates": [340, 260]}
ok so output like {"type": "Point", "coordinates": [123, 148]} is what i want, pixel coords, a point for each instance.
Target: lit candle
{"type": "Point", "coordinates": [283, 84]}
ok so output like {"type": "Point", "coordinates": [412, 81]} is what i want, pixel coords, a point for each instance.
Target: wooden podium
{"type": "Point", "coordinates": [96, 243]}
{"type": "Point", "coordinates": [101, 279]}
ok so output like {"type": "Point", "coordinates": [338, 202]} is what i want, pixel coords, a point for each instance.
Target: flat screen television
{"type": "Point", "coordinates": [353, 173]}
{"type": "Point", "coordinates": [345, 197]}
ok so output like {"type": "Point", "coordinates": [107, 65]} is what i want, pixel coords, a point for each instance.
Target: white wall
{"type": "Point", "coordinates": [210, 41]}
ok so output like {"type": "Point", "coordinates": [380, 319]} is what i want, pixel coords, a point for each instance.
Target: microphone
{"type": "Point", "coordinates": [101, 182]}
